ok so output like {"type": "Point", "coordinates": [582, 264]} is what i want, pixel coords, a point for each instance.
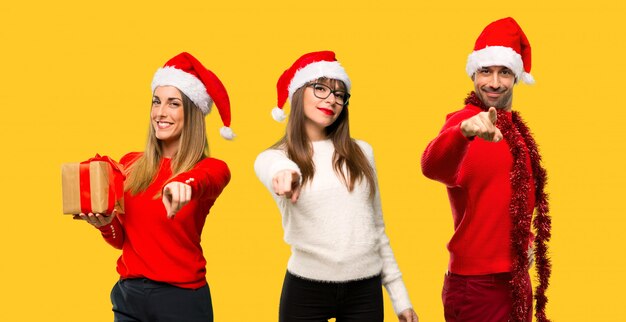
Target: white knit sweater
{"type": "Point", "coordinates": [335, 235]}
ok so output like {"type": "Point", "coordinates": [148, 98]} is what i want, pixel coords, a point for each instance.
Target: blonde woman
{"type": "Point", "coordinates": [169, 190]}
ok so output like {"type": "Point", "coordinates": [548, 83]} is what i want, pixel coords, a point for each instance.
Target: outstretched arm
{"type": "Point", "coordinates": [206, 180]}
{"type": "Point", "coordinates": [279, 174]}
{"type": "Point", "coordinates": [443, 156]}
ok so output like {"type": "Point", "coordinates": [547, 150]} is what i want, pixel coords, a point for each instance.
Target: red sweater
{"type": "Point", "coordinates": [162, 249]}
{"type": "Point", "coordinates": [477, 175]}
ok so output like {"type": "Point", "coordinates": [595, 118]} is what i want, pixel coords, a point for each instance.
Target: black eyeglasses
{"type": "Point", "coordinates": [323, 91]}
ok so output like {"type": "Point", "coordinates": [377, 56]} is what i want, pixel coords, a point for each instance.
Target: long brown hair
{"type": "Point", "coordinates": [348, 155]}
{"type": "Point", "coordinates": [192, 147]}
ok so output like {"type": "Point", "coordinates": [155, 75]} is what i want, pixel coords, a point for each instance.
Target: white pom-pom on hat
{"type": "Point", "coordinates": [227, 133]}
{"type": "Point", "coordinates": [278, 114]}
{"type": "Point", "coordinates": [528, 78]}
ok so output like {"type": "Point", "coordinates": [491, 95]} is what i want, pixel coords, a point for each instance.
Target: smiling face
{"type": "Point", "coordinates": [167, 117]}
{"type": "Point", "coordinates": [494, 86]}
{"type": "Point", "coordinates": [319, 113]}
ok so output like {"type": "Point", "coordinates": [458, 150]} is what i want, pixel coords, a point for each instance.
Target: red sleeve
{"type": "Point", "coordinates": [113, 233]}
{"type": "Point", "coordinates": [210, 176]}
{"type": "Point", "coordinates": [442, 158]}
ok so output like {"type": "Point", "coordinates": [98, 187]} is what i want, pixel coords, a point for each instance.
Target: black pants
{"type": "Point", "coordinates": [144, 300]}
{"type": "Point", "coordinates": [306, 300]}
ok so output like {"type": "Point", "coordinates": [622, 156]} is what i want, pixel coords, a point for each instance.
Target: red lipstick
{"type": "Point", "coordinates": [326, 111]}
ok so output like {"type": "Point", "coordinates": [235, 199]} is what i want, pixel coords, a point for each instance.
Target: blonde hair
{"type": "Point", "coordinates": [347, 153]}
{"type": "Point", "coordinates": [193, 147]}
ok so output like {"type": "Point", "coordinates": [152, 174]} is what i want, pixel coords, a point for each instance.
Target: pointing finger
{"type": "Point", "coordinates": [176, 195]}
{"type": "Point", "coordinates": [167, 200]}
{"type": "Point", "coordinates": [493, 115]}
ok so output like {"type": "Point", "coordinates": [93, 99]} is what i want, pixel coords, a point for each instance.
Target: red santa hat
{"type": "Point", "coordinates": [309, 67]}
{"type": "Point", "coordinates": [502, 43]}
{"type": "Point", "coordinates": [202, 87]}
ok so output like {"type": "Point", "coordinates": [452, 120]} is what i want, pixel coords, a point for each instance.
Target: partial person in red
{"type": "Point", "coordinates": [169, 190]}
{"type": "Point", "coordinates": [490, 164]}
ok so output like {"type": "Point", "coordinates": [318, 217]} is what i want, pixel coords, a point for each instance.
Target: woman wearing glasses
{"type": "Point", "coordinates": [325, 185]}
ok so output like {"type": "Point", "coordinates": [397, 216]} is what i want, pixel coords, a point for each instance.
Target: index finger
{"type": "Point", "coordinates": [170, 195]}
{"type": "Point", "coordinates": [493, 115]}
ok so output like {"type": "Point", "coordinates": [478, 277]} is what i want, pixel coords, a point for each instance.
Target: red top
{"type": "Point", "coordinates": [162, 249]}
{"type": "Point", "coordinates": [477, 175]}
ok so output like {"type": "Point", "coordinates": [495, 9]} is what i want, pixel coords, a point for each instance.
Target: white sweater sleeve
{"type": "Point", "coordinates": [391, 275]}
{"type": "Point", "coordinates": [269, 162]}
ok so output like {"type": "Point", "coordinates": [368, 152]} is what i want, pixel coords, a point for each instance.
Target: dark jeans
{"type": "Point", "coordinates": [479, 298]}
{"type": "Point", "coordinates": [144, 300]}
{"type": "Point", "coordinates": [307, 300]}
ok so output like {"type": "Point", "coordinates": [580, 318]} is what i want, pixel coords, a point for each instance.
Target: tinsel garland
{"type": "Point", "coordinates": [520, 218]}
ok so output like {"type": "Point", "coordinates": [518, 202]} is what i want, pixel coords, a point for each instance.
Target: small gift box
{"type": "Point", "coordinates": [95, 185]}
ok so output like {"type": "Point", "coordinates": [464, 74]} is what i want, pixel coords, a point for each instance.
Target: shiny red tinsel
{"type": "Point", "coordinates": [520, 143]}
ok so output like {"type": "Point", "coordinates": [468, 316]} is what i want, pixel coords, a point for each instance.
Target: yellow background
{"type": "Point", "coordinates": [76, 79]}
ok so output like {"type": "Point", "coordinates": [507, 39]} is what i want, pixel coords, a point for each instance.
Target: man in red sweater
{"type": "Point", "coordinates": [489, 162]}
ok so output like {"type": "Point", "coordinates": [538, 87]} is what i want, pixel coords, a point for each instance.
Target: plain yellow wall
{"type": "Point", "coordinates": [76, 79]}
